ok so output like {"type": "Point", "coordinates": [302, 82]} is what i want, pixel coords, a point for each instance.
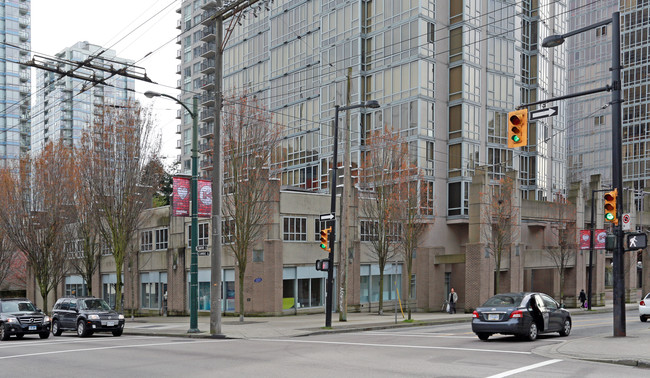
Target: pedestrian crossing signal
{"type": "Point", "coordinates": [322, 265]}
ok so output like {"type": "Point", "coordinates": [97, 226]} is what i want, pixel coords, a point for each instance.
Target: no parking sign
{"type": "Point", "coordinates": [626, 222]}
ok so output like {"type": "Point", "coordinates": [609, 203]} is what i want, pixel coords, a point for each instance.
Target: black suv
{"type": "Point", "coordinates": [19, 316]}
{"type": "Point", "coordinates": [86, 315]}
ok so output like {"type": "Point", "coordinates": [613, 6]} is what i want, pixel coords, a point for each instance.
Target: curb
{"type": "Point", "coordinates": [552, 351]}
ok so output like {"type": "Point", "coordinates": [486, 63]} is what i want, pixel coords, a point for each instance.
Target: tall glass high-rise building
{"type": "Point", "coordinates": [445, 73]}
{"type": "Point", "coordinates": [590, 133]}
{"type": "Point", "coordinates": [15, 87]}
{"type": "Point", "coordinates": [65, 105]}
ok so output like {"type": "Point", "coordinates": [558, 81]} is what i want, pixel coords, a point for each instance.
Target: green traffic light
{"type": "Point", "coordinates": [609, 216]}
{"type": "Point", "coordinates": [323, 246]}
{"type": "Point", "coordinates": [516, 138]}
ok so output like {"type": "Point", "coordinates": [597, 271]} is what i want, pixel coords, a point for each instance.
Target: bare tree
{"type": "Point", "coordinates": [565, 233]}
{"type": "Point", "coordinates": [6, 257]}
{"type": "Point", "coordinates": [499, 215]}
{"type": "Point", "coordinates": [383, 168]}
{"type": "Point", "coordinates": [85, 255]}
{"type": "Point", "coordinates": [249, 139]}
{"type": "Point", "coordinates": [116, 150]}
{"type": "Point", "coordinates": [414, 211]}
{"type": "Point", "coordinates": [34, 216]}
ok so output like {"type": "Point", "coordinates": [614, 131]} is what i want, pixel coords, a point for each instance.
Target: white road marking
{"type": "Point", "coordinates": [393, 346]}
{"type": "Point", "coordinates": [59, 341]}
{"type": "Point", "coordinates": [448, 336]}
{"type": "Point", "coordinates": [108, 347]}
{"type": "Point", "coordinates": [525, 368]}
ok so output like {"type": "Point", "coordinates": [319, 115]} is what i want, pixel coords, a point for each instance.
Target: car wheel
{"type": "Point", "coordinates": [20, 336]}
{"type": "Point", "coordinates": [483, 336]}
{"type": "Point", "coordinates": [566, 330]}
{"type": "Point", "coordinates": [56, 329]}
{"type": "Point", "coordinates": [531, 335]}
{"type": "Point", "coordinates": [644, 318]}
{"type": "Point", "coordinates": [44, 335]}
{"type": "Point", "coordinates": [118, 332]}
{"type": "Point", "coordinates": [82, 330]}
{"type": "Point", "coordinates": [4, 336]}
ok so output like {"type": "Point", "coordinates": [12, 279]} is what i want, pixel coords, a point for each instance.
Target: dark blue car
{"type": "Point", "coordinates": [521, 314]}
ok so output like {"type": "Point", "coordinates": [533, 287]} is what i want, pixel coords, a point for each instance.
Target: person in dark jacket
{"type": "Point", "coordinates": [583, 298]}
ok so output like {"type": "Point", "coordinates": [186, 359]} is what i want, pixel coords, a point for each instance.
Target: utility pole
{"type": "Point", "coordinates": [345, 212]}
{"type": "Point", "coordinates": [222, 13]}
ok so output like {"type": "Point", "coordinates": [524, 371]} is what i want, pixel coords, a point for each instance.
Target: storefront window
{"type": "Point", "coordinates": [369, 282]}
{"type": "Point", "coordinates": [75, 286]}
{"type": "Point", "coordinates": [303, 287]}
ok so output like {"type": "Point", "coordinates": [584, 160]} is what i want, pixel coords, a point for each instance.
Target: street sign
{"type": "Point", "coordinates": [326, 217]}
{"type": "Point", "coordinates": [203, 253]}
{"type": "Point", "coordinates": [626, 222]}
{"type": "Point", "coordinates": [542, 113]}
{"type": "Point", "coordinates": [636, 241]}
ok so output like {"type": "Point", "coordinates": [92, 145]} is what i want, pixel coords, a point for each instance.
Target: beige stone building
{"type": "Point", "coordinates": [282, 279]}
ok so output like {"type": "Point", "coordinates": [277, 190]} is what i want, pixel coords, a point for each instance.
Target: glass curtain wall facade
{"type": "Point", "coordinates": [463, 64]}
{"type": "Point", "coordinates": [15, 80]}
{"type": "Point", "coordinates": [590, 135]}
{"type": "Point", "coordinates": [635, 49]}
{"type": "Point", "coordinates": [590, 116]}
{"type": "Point", "coordinates": [64, 109]}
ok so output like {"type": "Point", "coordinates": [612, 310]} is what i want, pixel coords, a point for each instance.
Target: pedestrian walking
{"type": "Point", "coordinates": [453, 298]}
{"type": "Point", "coordinates": [583, 298]}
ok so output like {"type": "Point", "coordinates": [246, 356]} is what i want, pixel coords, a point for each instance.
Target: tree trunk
{"type": "Point", "coordinates": [44, 294]}
{"type": "Point", "coordinates": [241, 295]}
{"type": "Point", "coordinates": [118, 285]}
{"type": "Point", "coordinates": [381, 291]}
{"type": "Point", "coordinates": [497, 273]}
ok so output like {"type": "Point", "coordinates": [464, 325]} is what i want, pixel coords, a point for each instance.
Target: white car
{"type": "Point", "coordinates": [644, 308]}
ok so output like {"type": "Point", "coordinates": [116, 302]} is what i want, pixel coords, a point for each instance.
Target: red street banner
{"type": "Point", "coordinates": [181, 197]}
{"type": "Point", "coordinates": [599, 239]}
{"type": "Point", "coordinates": [205, 198]}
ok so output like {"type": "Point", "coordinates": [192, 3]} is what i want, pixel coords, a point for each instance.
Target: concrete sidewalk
{"type": "Point", "coordinates": [633, 350]}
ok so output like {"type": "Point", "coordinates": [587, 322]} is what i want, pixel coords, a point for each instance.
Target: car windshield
{"type": "Point", "coordinates": [17, 306]}
{"type": "Point", "coordinates": [504, 300]}
{"type": "Point", "coordinates": [95, 304]}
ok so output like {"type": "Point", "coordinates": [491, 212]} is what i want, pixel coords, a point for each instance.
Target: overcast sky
{"type": "Point", "coordinates": [134, 27]}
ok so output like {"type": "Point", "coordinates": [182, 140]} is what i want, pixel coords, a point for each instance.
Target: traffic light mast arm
{"type": "Point", "coordinates": [607, 88]}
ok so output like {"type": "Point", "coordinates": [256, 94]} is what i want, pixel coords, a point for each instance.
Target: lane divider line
{"type": "Point", "coordinates": [525, 368]}
{"type": "Point", "coordinates": [393, 346]}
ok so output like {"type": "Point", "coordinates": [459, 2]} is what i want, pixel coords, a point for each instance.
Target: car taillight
{"type": "Point", "coordinates": [642, 303]}
{"type": "Point", "coordinates": [517, 314]}
{"type": "Point", "coordinates": [474, 314]}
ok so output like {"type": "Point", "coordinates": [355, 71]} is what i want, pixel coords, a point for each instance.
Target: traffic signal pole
{"type": "Point", "coordinates": [617, 160]}
{"type": "Point", "coordinates": [617, 176]}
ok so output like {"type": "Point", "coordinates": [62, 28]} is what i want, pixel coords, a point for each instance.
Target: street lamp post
{"type": "Point", "coordinates": [617, 177]}
{"type": "Point", "coordinates": [194, 284]}
{"type": "Point", "coordinates": [373, 104]}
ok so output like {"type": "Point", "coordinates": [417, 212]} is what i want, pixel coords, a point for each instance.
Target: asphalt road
{"type": "Point", "coordinates": [436, 351]}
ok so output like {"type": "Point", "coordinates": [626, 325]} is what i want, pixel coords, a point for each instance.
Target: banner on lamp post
{"type": "Point", "coordinates": [599, 239]}
{"type": "Point", "coordinates": [205, 198]}
{"type": "Point", "coordinates": [181, 197]}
